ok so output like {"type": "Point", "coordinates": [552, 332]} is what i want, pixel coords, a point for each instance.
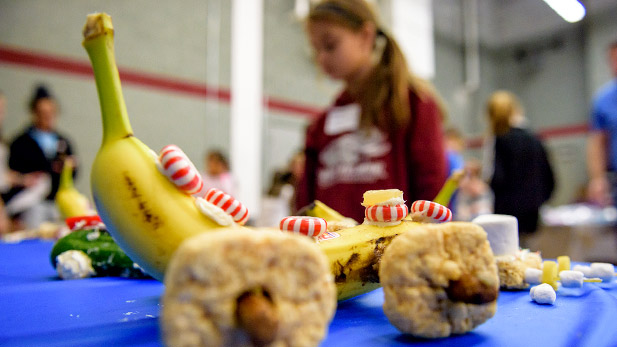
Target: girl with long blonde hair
{"type": "Point", "coordinates": [384, 129]}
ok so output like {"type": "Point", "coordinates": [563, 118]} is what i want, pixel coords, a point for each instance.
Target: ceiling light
{"type": "Point", "coordinates": [570, 10]}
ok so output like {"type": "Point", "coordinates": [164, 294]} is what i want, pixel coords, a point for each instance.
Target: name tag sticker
{"type": "Point", "coordinates": [328, 236]}
{"type": "Point", "coordinates": [342, 119]}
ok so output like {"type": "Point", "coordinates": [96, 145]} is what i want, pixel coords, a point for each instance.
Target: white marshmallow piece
{"type": "Point", "coordinates": [74, 264]}
{"type": "Point", "coordinates": [586, 270]}
{"type": "Point", "coordinates": [571, 278]}
{"type": "Point", "coordinates": [603, 271]}
{"type": "Point", "coordinates": [215, 213]}
{"type": "Point", "coordinates": [543, 294]}
{"type": "Point", "coordinates": [501, 231]}
{"type": "Point", "coordinates": [533, 275]}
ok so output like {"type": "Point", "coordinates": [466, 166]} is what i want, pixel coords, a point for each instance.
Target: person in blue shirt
{"type": "Point", "coordinates": [455, 144]}
{"type": "Point", "coordinates": [602, 140]}
{"type": "Point", "coordinates": [38, 153]}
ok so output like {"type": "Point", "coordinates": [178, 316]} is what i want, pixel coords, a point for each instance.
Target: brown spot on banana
{"type": "Point", "coordinates": [146, 213]}
{"type": "Point", "coordinates": [365, 270]}
{"type": "Point", "coordinates": [370, 273]}
{"type": "Point", "coordinates": [257, 316]}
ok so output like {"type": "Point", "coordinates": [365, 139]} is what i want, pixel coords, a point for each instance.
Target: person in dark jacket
{"type": "Point", "coordinates": [38, 153]}
{"type": "Point", "coordinates": [522, 178]}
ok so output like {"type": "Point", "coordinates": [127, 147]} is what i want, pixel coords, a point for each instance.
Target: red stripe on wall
{"type": "Point", "coordinates": [21, 57]}
{"type": "Point", "coordinates": [45, 61]}
{"type": "Point", "coordinates": [567, 130]}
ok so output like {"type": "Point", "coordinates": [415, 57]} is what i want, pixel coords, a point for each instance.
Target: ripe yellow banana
{"type": "Point", "coordinates": [70, 202]}
{"type": "Point", "coordinates": [321, 210]}
{"type": "Point", "coordinates": [145, 213]}
{"type": "Point", "coordinates": [355, 256]}
{"type": "Point", "coordinates": [149, 217]}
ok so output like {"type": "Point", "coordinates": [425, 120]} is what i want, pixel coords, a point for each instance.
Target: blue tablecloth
{"type": "Point", "coordinates": [38, 309]}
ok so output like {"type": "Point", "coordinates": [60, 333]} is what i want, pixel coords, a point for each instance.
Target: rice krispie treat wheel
{"type": "Point", "coordinates": [439, 280]}
{"type": "Point", "coordinates": [247, 288]}
{"type": "Point", "coordinates": [512, 268]}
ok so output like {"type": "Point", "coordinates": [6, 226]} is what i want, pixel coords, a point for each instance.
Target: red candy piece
{"type": "Point", "coordinates": [309, 226]}
{"type": "Point", "coordinates": [83, 222]}
{"type": "Point", "coordinates": [433, 211]}
{"type": "Point", "coordinates": [227, 203]}
{"type": "Point", "coordinates": [180, 170]}
{"type": "Point", "coordinates": [385, 213]}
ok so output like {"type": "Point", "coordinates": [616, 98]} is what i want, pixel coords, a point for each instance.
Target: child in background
{"type": "Point", "coordinates": [217, 173]}
{"type": "Point", "coordinates": [385, 128]}
{"type": "Point", "coordinates": [280, 198]}
{"type": "Point", "coordinates": [455, 144]}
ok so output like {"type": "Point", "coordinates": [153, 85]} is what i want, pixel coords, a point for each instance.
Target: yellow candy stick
{"type": "Point", "coordinates": [564, 263]}
{"type": "Point", "coordinates": [597, 280]}
{"type": "Point", "coordinates": [549, 273]}
{"type": "Point", "coordinates": [448, 189]}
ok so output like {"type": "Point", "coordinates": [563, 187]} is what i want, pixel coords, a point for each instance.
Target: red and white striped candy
{"type": "Point", "coordinates": [309, 226]}
{"type": "Point", "coordinates": [385, 213]}
{"type": "Point", "coordinates": [227, 203]}
{"type": "Point", "coordinates": [180, 170]}
{"type": "Point", "coordinates": [432, 211]}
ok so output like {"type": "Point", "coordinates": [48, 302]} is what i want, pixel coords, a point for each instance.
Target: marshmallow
{"type": "Point", "coordinates": [215, 213]}
{"type": "Point", "coordinates": [603, 271]}
{"type": "Point", "coordinates": [501, 232]}
{"type": "Point", "coordinates": [533, 275]}
{"type": "Point", "coordinates": [586, 270]}
{"type": "Point", "coordinates": [543, 294]}
{"type": "Point", "coordinates": [571, 279]}
{"type": "Point", "coordinates": [74, 264]}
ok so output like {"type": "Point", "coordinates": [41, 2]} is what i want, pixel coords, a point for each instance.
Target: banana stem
{"type": "Point", "coordinates": [448, 189]}
{"type": "Point", "coordinates": [99, 43]}
{"type": "Point", "coordinates": [66, 176]}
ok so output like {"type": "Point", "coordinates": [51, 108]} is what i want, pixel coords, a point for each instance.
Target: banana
{"type": "Point", "coordinates": [445, 193]}
{"type": "Point", "coordinates": [144, 212]}
{"type": "Point", "coordinates": [355, 256]}
{"type": "Point", "coordinates": [149, 217]}
{"type": "Point", "coordinates": [70, 202]}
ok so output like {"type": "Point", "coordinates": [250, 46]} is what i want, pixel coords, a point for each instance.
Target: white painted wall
{"type": "Point", "coordinates": [170, 39]}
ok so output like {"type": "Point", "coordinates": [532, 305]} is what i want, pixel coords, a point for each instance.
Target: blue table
{"type": "Point", "coordinates": [38, 309]}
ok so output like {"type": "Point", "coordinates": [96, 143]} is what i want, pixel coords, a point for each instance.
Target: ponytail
{"type": "Point", "coordinates": [387, 88]}
{"type": "Point", "coordinates": [384, 95]}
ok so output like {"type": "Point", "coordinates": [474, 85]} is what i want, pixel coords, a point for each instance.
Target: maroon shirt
{"type": "Point", "coordinates": [341, 166]}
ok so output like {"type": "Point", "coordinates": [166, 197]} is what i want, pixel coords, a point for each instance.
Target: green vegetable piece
{"type": "Point", "coordinates": [108, 259]}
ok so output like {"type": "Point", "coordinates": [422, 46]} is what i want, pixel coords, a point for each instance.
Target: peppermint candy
{"type": "Point", "coordinates": [431, 211]}
{"type": "Point", "coordinates": [386, 213]}
{"type": "Point", "coordinates": [227, 203]}
{"type": "Point", "coordinates": [309, 226]}
{"type": "Point", "coordinates": [174, 164]}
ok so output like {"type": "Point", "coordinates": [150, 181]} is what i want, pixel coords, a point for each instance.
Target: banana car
{"type": "Point", "coordinates": [227, 284]}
